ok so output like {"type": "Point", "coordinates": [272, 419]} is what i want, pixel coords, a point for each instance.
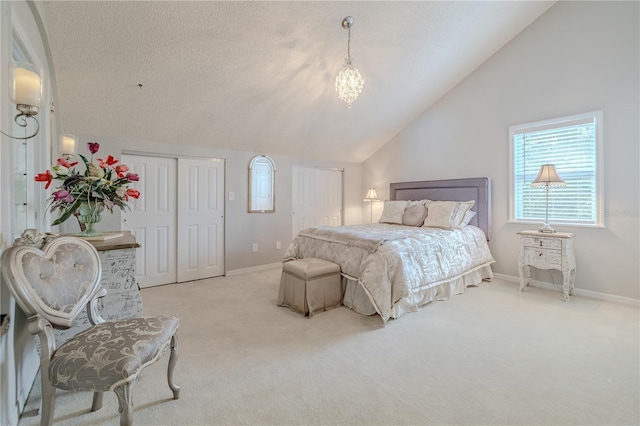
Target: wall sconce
{"type": "Point", "coordinates": [25, 90]}
{"type": "Point", "coordinates": [68, 146]}
{"type": "Point", "coordinates": [371, 197]}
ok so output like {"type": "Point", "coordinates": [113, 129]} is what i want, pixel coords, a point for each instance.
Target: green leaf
{"type": "Point", "coordinates": [67, 214]}
{"type": "Point", "coordinates": [86, 164]}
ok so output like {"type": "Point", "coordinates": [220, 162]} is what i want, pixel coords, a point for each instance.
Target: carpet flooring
{"type": "Point", "coordinates": [491, 356]}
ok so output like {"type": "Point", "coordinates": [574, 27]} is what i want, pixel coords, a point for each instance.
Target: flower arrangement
{"type": "Point", "coordinates": [104, 183]}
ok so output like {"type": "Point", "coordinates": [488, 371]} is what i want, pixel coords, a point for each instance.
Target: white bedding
{"type": "Point", "coordinates": [407, 270]}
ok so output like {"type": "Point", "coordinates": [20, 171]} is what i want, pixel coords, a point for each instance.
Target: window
{"type": "Point", "coordinates": [573, 145]}
{"type": "Point", "coordinates": [262, 187]}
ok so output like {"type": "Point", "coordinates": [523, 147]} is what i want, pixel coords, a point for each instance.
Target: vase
{"type": "Point", "coordinates": [89, 216]}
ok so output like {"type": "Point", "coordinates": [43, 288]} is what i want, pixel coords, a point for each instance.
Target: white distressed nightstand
{"type": "Point", "coordinates": [548, 251]}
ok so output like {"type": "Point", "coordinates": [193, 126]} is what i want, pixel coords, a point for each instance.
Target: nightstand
{"type": "Point", "coordinates": [548, 251]}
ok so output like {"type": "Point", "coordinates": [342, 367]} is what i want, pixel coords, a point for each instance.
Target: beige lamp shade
{"type": "Point", "coordinates": [372, 195]}
{"type": "Point", "coordinates": [547, 176]}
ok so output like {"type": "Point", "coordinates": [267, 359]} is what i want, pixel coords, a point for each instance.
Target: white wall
{"type": "Point", "coordinates": [241, 228]}
{"type": "Point", "coordinates": [577, 57]}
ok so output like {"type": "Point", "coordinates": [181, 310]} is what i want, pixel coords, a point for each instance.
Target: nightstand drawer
{"type": "Point", "coordinates": [543, 258]}
{"type": "Point", "coordinates": [541, 242]}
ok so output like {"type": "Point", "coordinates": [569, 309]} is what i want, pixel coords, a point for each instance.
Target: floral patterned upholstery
{"type": "Point", "coordinates": [109, 354]}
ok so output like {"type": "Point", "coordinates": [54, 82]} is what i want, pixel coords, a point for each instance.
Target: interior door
{"type": "Point", "coordinates": [200, 218]}
{"type": "Point", "coordinates": [316, 198]}
{"type": "Point", "coordinates": [153, 218]}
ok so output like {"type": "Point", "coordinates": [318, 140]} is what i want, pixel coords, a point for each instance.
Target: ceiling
{"type": "Point", "coordinates": [259, 76]}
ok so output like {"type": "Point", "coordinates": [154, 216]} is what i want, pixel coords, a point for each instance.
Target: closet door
{"type": "Point", "coordinates": [181, 232]}
{"type": "Point", "coordinates": [316, 198]}
{"type": "Point", "coordinates": [153, 219]}
{"type": "Point", "coordinates": [200, 218]}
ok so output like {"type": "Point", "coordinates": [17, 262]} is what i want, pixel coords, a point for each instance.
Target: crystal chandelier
{"type": "Point", "coordinates": [349, 82]}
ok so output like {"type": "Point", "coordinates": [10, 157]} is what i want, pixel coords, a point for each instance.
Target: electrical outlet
{"type": "Point", "coordinates": [232, 195]}
{"type": "Point", "coordinates": [278, 245]}
{"type": "Point", "coordinates": [255, 247]}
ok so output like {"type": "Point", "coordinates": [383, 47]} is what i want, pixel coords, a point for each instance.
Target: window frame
{"type": "Point", "coordinates": [560, 122]}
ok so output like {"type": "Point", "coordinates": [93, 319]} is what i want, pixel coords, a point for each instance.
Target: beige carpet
{"type": "Point", "coordinates": [492, 355]}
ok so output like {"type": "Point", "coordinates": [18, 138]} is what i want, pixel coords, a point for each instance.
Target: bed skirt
{"type": "Point", "coordinates": [357, 299]}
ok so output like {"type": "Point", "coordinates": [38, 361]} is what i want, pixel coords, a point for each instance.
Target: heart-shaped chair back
{"type": "Point", "coordinates": [56, 281]}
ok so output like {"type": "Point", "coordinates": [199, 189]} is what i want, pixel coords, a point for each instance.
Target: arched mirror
{"type": "Point", "coordinates": [262, 185]}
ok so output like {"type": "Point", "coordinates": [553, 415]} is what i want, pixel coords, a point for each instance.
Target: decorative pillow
{"type": "Point", "coordinates": [467, 218]}
{"type": "Point", "coordinates": [447, 214]}
{"type": "Point", "coordinates": [414, 214]}
{"type": "Point", "coordinates": [392, 212]}
{"type": "Point", "coordinates": [463, 208]}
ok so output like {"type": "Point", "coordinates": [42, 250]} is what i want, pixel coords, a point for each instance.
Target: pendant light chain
{"type": "Point", "coordinates": [349, 46]}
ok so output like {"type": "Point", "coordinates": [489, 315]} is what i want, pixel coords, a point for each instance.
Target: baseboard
{"type": "Point", "coordinates": [253, 269]}
{"type": "Point", "coordinates": [579, 292]}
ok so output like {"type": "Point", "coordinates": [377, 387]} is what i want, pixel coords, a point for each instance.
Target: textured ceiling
{"type": "Point", "coordinates": [259, 76]}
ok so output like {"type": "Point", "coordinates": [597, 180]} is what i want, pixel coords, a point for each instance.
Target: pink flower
{"type": "Point", "coordinates": [93, 147]}
{"type": "Point", "coordinates": [132, 177]}
{"type": "Point", "coordinates": [62, 195]}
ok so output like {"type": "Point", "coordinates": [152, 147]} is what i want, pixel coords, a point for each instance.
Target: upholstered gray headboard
{"type": "Point", "coordinates": [477, 189]}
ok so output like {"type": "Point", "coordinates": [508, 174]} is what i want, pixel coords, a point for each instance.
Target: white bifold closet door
{"type": "Point", "coordinates": [316, 198]}
{"type": "Point", "coordinates": [181, 232]}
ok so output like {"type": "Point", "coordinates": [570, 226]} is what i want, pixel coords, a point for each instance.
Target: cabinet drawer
{"type": "Point", "coordinates": [547, 243]}
{"type": "Point", "coordinates": [542, 258]}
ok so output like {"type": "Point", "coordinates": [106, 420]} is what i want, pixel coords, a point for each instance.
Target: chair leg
{"type": "Point", "coordinates": [173, 358]}
{"type": "Point", "coordinates": [97, 401]}
{"type": "Point", "coordinates": [48, 402]}
{"type": "Point", "coordinates": [125, 402]}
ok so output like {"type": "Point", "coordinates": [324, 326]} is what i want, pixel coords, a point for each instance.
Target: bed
{"type": "Point", "coordinates": [390, 269]}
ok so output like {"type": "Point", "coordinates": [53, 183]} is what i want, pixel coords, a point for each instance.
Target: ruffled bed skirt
{"type": "Point", "coordinates": [356, 298]}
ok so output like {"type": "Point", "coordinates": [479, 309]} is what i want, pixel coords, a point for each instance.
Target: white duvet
{"type": "Point", "coordinates": [415, 260]}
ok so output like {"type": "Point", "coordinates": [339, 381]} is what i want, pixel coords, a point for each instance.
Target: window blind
{"type": "Point", "coordinates": [569, 144]}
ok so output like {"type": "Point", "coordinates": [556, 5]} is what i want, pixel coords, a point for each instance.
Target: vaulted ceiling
{"type": "Point", "coordinates": [260, 76]}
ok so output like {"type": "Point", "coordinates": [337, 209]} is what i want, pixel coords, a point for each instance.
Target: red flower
{"type": "Point", "coordinates": [132, 177]}
{"type": "Point", "coordinates": [121, 170]}
{"type": "Point", "coordinates": [110, 161]}
{"type": "Point", "coordinates": [44, 177]}
{"type": "Point", "coordinates": [133, 193]}
{"type": "Point", "coordinates": [93, 147]}
{"type": "Point", "coordinates": [63, 162]}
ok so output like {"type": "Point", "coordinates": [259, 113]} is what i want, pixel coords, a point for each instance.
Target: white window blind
{"type": "Point", "coordinates": [572, 145]}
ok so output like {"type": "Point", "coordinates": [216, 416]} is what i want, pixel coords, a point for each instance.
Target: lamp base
{"type": "Point", "coordinates": [547, 229]}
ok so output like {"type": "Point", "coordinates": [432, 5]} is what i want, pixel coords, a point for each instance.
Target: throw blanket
{"type": "Point", "coordinates": [367, 239]}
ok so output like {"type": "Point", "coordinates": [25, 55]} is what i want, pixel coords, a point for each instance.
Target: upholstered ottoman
{"type": "Point", "coordinates": [309, 286]}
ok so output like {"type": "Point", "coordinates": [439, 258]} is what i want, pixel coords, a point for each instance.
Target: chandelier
{"type": "Point", "coordinates": [349, 82]}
